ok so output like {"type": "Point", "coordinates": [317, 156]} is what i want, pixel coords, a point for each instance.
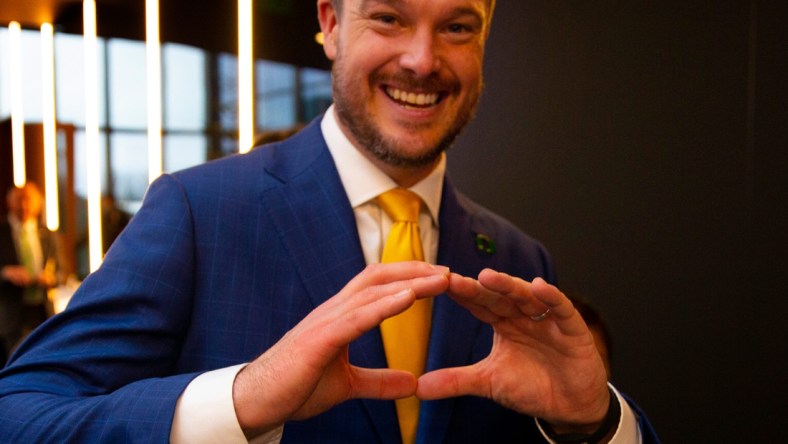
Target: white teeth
{"type": "Point", "coordinates": [420, 99]}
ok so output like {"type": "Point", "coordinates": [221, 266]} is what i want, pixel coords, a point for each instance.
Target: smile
{"type": "Point", "coordinates": [412, 99]}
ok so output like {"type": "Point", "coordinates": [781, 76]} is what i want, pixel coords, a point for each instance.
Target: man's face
{"type": "Point", "coordinates": [407, 73]}
{"type": "Point", "coordinates": [29, 203]}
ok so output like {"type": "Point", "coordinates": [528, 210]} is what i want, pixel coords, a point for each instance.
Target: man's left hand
{"type": "Point", "coordinates": [545, 366]}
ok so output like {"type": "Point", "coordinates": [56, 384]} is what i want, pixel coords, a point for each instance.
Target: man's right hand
{"type": "Point", "coordinates": [307, 372]}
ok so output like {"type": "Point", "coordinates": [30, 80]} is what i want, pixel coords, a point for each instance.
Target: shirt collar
{"type": "Point", "coordinates": [363, 181]}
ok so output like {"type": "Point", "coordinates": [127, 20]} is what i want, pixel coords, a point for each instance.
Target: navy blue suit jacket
{"type": "Point", "coordinates": [220, 262]}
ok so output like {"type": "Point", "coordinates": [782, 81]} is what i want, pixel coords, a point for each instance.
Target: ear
{"type": "Point", "coordinates": [329, 24]}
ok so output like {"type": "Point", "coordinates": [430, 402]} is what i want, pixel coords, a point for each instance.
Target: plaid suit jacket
{"type": "Point", "coordinates": [220, 262]}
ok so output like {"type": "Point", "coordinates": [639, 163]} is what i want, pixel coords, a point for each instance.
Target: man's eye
{"type": "Point", "coordinates": [387, 19]}
{"type": "Point", "coordinates": [458, 28]}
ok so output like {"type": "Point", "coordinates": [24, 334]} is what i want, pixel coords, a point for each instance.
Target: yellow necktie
{"type": "Point", "coordinates": [405, 336]}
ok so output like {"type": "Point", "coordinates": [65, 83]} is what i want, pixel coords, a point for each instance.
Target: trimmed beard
{"type": "Point", "coordinates": [368, 134]}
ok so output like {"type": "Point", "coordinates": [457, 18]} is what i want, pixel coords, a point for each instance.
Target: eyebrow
{"type": "Point", "coordinates": [468, 11]}
{"type": "Point", "coordinates": [369, 3]}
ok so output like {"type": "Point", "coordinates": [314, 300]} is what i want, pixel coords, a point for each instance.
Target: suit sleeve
{"type": "Point", "coordinates": [105, 369]}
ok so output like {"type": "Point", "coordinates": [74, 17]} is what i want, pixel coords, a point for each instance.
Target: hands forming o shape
{"type": "Point", "coordinates": [543, 360]}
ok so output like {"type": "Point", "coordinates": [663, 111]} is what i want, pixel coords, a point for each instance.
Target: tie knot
{"type": "Point", "coordinates": [400, 204]}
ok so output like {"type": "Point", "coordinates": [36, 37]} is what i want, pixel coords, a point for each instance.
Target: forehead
{"type": "Point", "coordinates": [488, 4]}
{"type": "Point", "coordinates": [483, 9]}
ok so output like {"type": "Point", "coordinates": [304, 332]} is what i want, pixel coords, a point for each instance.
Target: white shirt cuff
{"type": "Point", "coordinates": [205, 412]}
{"type": "Point", "coordinates": [628, 431]}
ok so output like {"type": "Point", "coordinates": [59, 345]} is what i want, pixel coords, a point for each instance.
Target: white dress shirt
{"type": "Point", "coordinates": [205, 412]}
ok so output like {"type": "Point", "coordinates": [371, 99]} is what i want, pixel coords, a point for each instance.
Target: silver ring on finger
{"type": "Point", "coordinates": [541, 316]}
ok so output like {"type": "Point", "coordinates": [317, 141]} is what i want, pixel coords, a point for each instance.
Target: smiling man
{"type": "Point", "coordinates": [257, 297]}
{"type": "Point", "coordinates": [407, 78]}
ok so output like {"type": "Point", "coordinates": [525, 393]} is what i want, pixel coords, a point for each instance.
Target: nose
{"type": "Point", "coordinates": [421, 53]}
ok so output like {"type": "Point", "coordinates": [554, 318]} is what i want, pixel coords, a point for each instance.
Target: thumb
{"type": "Point", "coordinates": [451, 382]}
{"type": "Point", "coordinates": [382, 384]}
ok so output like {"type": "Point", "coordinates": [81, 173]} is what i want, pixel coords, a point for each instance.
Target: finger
{"type": "Point", "coordinates": [422, 287]}
{"type": "Point", "coordinates": [352, 324]}
{"type": "Point", "coordinates": [382, 279]}
{"type": "Point", "coordinates": [465, 291]}
{"type": "Point", "coordinates": [381, 274]}
{"type": "Point", "coordinates": [451, 382]}
{"type": "Point", "coordinates": [518, 290]}
{"type": "Point", "coordinates": [347, 322]}
{"type": "Point", "coordinates": [382, 383]}
{"type": "Point", "coordinates": [561, 308]}
{"type": "Point", "coordinates": [501, 295]}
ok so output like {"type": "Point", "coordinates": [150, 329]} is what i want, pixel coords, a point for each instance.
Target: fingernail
{"type": "Point", "coordinates": [441, 268]}
{"type": "Point", "coordinates": [403, 294]}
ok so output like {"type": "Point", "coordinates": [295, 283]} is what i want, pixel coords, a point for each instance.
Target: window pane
{"type": "Point", "coordinates": [228, 92]}
{"type": "Point", "coordinates": [127, 83]}
{"type": "Point", "coordinates": [276, 112]}
{"type": "Point", "coordinates": [70, 80]}
{"type": "Point", "coordinates": [31, 76]}
{"type": "Point", "coordinates": [80, 163]}
{"type": "Point", "coordinates": [129, 163]}
{"type": "Point", "coordinates": [315, 92]}
{"type": "Point", "coordinates": [184, 87]}
{"type": "Point", "coordinates": [276, 102]}
{"type": "Point", "coordinates": [229, 145]}
{"type": "Point", "coordinates": [274, 78]}
{"type": "Point", "coordinates": [29, 72]}
{"type": "Point", "coordinates": [183, 151]}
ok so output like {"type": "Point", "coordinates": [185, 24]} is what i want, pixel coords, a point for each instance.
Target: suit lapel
{"type": "Point", "coordinates": [311, 211]}
{"type": "Point", "coordinates": [312, 214]}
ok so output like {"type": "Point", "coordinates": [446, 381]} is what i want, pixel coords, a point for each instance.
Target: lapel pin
{"type": "Point", "coordinates": [485, 244]}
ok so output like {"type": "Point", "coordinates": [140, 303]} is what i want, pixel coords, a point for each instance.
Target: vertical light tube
{"type": "Point", "coordinates": [153, 54]}
{"type": "Point", "coordinates": [17, 103]}
{"type": "Point", "coordinates": [95, 249]}
{"type": "Point", "coordinates": [49, 118]}
{"type": "Point", "coordinates": [245, 77]}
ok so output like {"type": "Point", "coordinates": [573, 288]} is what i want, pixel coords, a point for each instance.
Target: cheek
{"type": "Point", "coordinates": [472, 75]}
{"type": "Point", "coordinates": [467, 65]}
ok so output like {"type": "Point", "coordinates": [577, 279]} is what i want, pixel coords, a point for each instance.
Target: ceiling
{"type": "Point", "coordinates": [285, 29]}
{"type": "Point", "coordinates": [31, 13]}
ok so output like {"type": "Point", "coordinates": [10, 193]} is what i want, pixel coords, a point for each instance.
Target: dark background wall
{"type": "Point", "coordinates": [644, 143]}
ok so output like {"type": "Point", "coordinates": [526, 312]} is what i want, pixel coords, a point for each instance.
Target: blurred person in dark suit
{"type": "Point", "coordinates": [30, 263]}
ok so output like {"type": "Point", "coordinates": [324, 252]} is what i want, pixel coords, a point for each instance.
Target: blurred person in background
{"type": "Point", "coordinates": [30, 263]}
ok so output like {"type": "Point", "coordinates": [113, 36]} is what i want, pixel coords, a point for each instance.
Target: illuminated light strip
{"type": "Point", "coordinates": [50, 139]}
{"type": "Point", "coordinates": [95, 252]}
{"type": "Point", "coordinates": [245, 77]}
{"type": "Point", "coordinates": [153, 53]}
{"type": "Point", "coordinates": [17, 101]}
